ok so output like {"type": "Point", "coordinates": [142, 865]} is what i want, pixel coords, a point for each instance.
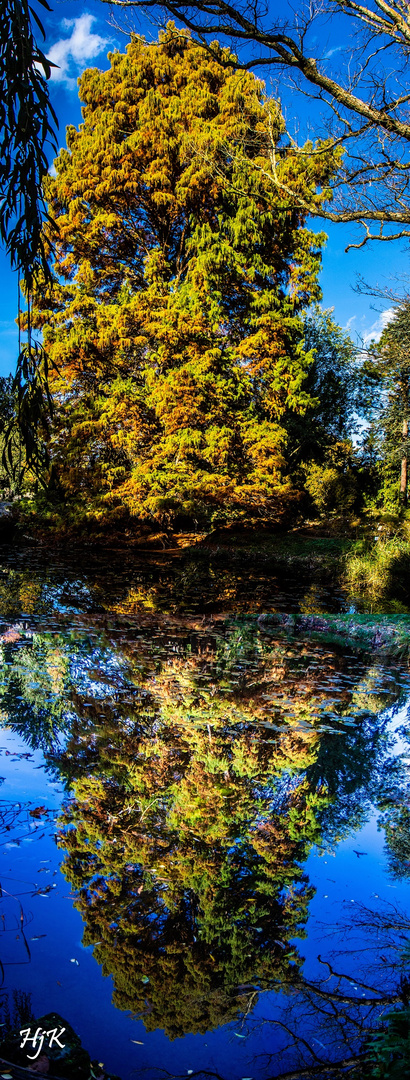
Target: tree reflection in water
{"type": "Point", "coordinates": [203, 765]}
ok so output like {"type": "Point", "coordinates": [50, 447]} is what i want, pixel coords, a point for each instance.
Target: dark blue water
{"type": "Point", "coordinates": [205, 829]}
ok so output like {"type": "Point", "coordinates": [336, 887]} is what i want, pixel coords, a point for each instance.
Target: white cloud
{"type": "Point", "coordinates": [8, 328]}
{"type": "Point", "coordinates": [72, 54]}
{"type": "Point", "coordinates": [331, 52]}
{"type": "Point", "coordinates": [376, 330]}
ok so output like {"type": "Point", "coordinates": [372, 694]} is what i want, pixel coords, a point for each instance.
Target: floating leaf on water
{"type": "Point", "coordinates": [74, 961]}
{"type": "Point", "coordinates": [239, 1036]}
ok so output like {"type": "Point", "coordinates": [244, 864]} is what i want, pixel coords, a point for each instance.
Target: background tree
{"type": "Point", "coordinates": [390, 363]}
{"type": "Point", "coordinates": [320, 450]}
{"type": "Point", "coordinates": [174, 321]}
{"type": "Point", "coordinates": [361, 87]}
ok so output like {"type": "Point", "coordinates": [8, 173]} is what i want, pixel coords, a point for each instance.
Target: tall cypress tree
{"type": "Point", "coordinates": [174, 322]}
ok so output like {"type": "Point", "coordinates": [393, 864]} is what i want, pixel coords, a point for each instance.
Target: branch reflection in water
{"type": "Point", "coordinates": [203, 765]}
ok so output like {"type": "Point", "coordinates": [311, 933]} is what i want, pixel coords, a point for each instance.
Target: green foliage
{"type": "Point", "coordinates": [380, 571]}
{"type": "Point", "coordinates": [320, 452]}
{"type": "Point", "coordinates": [174, 322]}
{"type": "Point", "coordinates": [23, 424]}
{"type": "Point", "coordinates": [12, 457]}
{"type": "Point", "coordinates": [29, 425]}
{"type": "Point", "coordinates": [333, 485]}
{"type": "Point", "coordinates": [389, 365]}
{"type": "Point", "coordinates": [389, 1048]}
{"type": "Point", "coordinates": [334, 381]}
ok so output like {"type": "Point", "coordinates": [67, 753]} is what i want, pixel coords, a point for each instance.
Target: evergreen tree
{"type": "Point", "coordinates": [390, 426]}
{"type": "Point", "coordinates": [174, 322]}
{"type": "Point", "coordinates": [321, 452]}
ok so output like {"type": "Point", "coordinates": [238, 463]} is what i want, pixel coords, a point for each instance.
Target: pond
{"type": "Point", "coordinates": [205, 820]}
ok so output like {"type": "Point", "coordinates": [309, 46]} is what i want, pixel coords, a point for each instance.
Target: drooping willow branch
{"type": "Point", "coordinates": [28, 126]}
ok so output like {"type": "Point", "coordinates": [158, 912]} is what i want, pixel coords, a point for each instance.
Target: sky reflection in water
{"type": "Point", "coordinates": [229, 804]}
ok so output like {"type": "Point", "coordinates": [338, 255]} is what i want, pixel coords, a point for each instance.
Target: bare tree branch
{"type": "Point", "coordinates": [365, 97]}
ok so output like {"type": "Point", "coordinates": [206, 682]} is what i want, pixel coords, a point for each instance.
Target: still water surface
{"type": "Point", "coordinates": [205, 824]}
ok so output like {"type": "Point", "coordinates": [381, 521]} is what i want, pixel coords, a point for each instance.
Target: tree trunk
{"type": "Point", "coordinates": [403, 475]}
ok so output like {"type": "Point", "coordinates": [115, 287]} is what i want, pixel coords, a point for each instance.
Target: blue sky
{"type": "Point", "coordinates": [80, 35]}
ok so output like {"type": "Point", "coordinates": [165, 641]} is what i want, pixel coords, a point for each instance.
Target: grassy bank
{"type": "Point", "coordinates": [386, 634]}
{"type": "Point", "coordinates": [380, 569]}
{"type": "Point", "coordinates": [363, 563]}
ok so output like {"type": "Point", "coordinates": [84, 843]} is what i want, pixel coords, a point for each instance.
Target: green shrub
{"type": "Point", "coordinates": [330, 489]}
{"type": "Point", "coordinates": [383, 570]}
{"type": "Point", "coordinates": [390, 1047]}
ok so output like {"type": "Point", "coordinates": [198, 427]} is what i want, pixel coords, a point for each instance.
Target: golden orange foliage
{"type": "Point", "coordinates": [180, 272]}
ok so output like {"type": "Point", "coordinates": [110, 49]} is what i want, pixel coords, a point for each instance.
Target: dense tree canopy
{"type": "Point", "coordinates": [174, 322]}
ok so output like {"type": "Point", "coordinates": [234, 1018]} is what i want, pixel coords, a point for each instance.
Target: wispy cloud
{"type": "Point", "coordinates": [375, 331]}
{"type": "Point", "coordinates": [73, 53]}
{"type": "Point", "coordinates": [331, 52]}
{"type": "Point", "coordinates": [8, 328]}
